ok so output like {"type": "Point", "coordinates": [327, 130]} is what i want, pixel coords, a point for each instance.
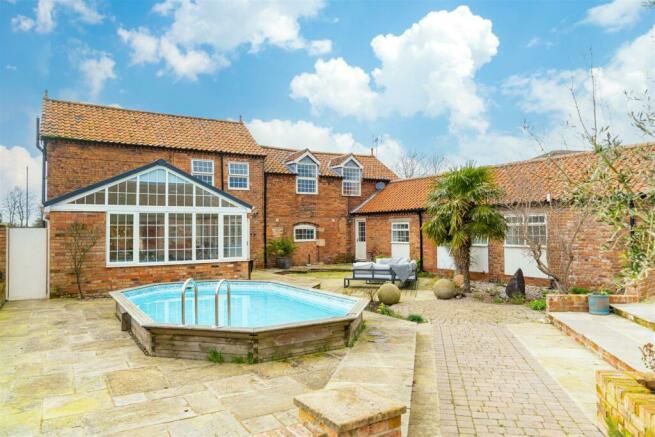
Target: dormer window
{"type": "Point", "coordinates": [307, 177]}
{"type": "Point", "coordinates": [352, 181]}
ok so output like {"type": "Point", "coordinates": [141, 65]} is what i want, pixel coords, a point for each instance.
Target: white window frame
{"type": "Point", "coordinates": [409, 235]}
{"type": "Point", "coordinates": [229, 175]}
{"type": "Point", "coordinates": [299, 178]}
{"type": "Point", "coordinates": [521, 217]}
{"type": "Point", "coordinates": [203, 173]}
{"type": "Point", "coordinates": [304, 227]}
{"type": "Point", "coordinates": [344, 181]}
{"type": "Point", "coordinates": [227, 207]}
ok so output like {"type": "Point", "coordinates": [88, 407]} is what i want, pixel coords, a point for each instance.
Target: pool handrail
{"type": "Point", "coordinates": [187, 284]}
{"type": "Point", "coordinates": [216, 294]}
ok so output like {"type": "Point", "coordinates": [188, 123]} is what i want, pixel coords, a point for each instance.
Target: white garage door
{"type": "Point", "coordinates": [27, 263]}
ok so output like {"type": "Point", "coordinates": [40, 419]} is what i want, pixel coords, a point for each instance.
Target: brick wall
{"type": "Point", "coordinates": [624, 407]}
{"type": "Point", "coordinates": [97, 278]}
{"type": "Point", "coordinates": [593, 266]}
{"type": "Point", "coordinates": [72, 165]}
{"type": "Point", "coordinates": [328, 211]}
{"type": "Point", "coordinates": [3, 264]}
{"type": "Point", "coordinates": [578, 302]}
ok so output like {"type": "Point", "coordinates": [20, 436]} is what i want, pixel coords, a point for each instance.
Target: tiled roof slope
{"type": "Point", "coordinates": [373, 167]}
{"type": "Point", "coordinates": [524, 181]}
{"type": "Point", "coordinates": [87, 122]}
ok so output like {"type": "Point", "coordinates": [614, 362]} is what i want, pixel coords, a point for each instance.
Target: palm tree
{"type": "Point", "coordinates": [460, 206]}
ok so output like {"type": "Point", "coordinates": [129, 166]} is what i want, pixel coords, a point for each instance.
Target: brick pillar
{"type": "Point", "coordinates": [350, 411]}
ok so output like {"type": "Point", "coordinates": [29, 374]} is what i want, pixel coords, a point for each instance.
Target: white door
{"type": "Point", "coordinates": [360, 239]}
{"type": "Point", "coordinates": [400, 240]}
{"type": "Point", "coordinates": [27, 263]}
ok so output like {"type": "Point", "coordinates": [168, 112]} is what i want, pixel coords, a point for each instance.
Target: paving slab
{"type": "Point", "coordinates": [613, 335]}
{"type": "Point", "coordinates": [572, 365]}
{"type": "Point", "coordinates": [641, 313]}
{"type": "Point", "coordinates": [388, 346]}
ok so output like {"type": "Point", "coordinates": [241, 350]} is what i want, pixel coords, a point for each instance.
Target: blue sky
{"type": "Point", "coordinates": [448, 78]}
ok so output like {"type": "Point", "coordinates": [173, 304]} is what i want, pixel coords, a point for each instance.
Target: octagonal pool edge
{"type": "Point", "coordinates": [239, 343]}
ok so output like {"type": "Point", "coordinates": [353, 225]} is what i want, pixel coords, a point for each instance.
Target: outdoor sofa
{"type": "Point", "coordinates": [384, 270]}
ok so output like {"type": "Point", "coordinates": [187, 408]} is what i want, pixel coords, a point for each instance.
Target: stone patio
{"type": "Point", "coordinates": [68, 369]}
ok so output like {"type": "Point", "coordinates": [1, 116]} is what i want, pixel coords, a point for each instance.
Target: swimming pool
{"type": "Point", "coordinates": [261, 320]}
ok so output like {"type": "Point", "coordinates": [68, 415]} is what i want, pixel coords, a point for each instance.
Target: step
{"type": "Point", "coordinates": [616, 339]}
{"type": "Point", "coordinates": [641, 313]}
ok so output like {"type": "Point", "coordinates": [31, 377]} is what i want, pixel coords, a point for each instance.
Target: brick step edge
{"type": "Point", "coordinates": [295, 430]}
{"type": "Point", "coordinates": [613, 360]}
{"type": "Point", "coordinates": [634, 318]}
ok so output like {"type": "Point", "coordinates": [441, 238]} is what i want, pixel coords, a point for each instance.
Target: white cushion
{"type": "Point", "coordinates": [363, 265]}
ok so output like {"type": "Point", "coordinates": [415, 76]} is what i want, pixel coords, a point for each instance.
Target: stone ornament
{"type": "Point", "coordinates": [444, 289]}
{"type": "Point", "coordinates": [389, 294]}
{"type": "Point", "coordinates": [516, 285]}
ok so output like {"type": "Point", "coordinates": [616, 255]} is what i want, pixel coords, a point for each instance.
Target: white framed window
{"type": "Point", "coordinates": [238, 175]}
{"type": "Point", "coordinates": [160, 217]}
{"type": "Point", "coordinates": [232, 236]}
{"type": "Point", "coordinates": [203, 169]}
{"type": "Point", "coordinates": [352, 181]}
{"type": "Point", "coordinates": [120, 238]}
{"type": "Point", "coordinates": [400, 232]}
{"type": "Point", "coordinates": [304, 233]}
{"type": "Point", "coordinates": [518, 232]}
{"type": "Point", "coordinates": [307, 178]}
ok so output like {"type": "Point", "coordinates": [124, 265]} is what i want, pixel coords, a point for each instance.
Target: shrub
{"type": "Point", "coordinates": [281, 247]}
{"type": "Point", "coordinates": [343, 258]}
{"type": "Point", "coordinates": [215, 356]}
{"type": "Point", "coordinates": [416, 318]}
{"type": "Point", "coordinates": [498, 299]}
{"type": "Point", "coordinates": [386, 311]}
{"type": "Point", "coordinates": [238, 360]}
{"type": "Point", "coordinates": [517, 300]}
{"type": "Point", "coordinates": [579, 290]}
{"type": "Point", "coordinates": [538, 304]}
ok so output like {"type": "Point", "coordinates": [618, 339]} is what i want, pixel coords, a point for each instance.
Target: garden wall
{"type": "Point", "coordinates": [559, 303]}
{"type": "Point", "coordinates": [3, 264]}
{"type": "Point", "coordinates": [625, 407]}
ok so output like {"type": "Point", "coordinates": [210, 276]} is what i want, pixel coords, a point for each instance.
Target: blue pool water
{"type": "Point", "coordinates": [254, 304]}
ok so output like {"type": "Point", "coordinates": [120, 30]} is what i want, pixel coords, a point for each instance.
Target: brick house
{"type": "Point", "coordinates": [392, 219]}
{"type": "Point", "coordinates": [174, 196]}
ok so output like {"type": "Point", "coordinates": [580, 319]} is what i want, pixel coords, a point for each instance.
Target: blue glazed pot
{"type": "Point", "coordinates": [599, 304]}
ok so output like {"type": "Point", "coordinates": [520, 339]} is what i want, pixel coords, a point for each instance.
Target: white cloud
{"type": "Point", "coordinates": [95, 72]}
{"type": "Point", "coordinates": [304, 134]}
{"type": "Point", "coordinates": [13, 161]}
{"type": "Point", "coordinates": [429, 69]}
{"type": "Point", "coordinates": [44, 21]}
{"type": "Point", "coordinates": [205, 33]}
{"type": "Point", "coordinates": [615, 15]}
{"type": "Point", "coordinates": [538, 42]}
{"type": "Point", "coordinates": [629, 71]}
{"type": "Point", "coordinates": [145, 47]}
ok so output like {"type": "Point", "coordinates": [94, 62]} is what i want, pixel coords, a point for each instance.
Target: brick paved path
{"type": "Point", "coordinates": [489, 384]}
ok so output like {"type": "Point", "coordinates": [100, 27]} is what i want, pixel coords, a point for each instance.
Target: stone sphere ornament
{"type": "Point", "coordinates": [444, 289]}
{"type": "Point", "coordinates": [389, 294]}
{"type": "Point", "coordinates": [459, 280]}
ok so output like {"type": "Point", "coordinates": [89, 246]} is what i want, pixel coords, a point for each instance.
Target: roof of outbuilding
{"type": "Point", "coordinates": [88, 122]}
{"type": "Point", "coordinates": [276, 158]}
{"type": "Point", "coordinates": [522, 181]}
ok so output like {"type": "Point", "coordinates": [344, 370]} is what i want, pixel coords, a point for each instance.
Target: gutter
{"type": "Point", "coordinates": [420, 237]}
{"type": "Point", "coordinates": [265, 213]}
{"type": "Point", "coordinates": [42, 149]}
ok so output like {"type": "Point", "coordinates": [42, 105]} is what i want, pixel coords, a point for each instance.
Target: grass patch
{"type": "Point", "coordinates": [238, 360]}
{"type": "Point", "coordinates": [517, 300]}
{"type": "Point", "coordinates": [579, 290]}
{"type": "Point", "coordinates": [498, 300]}
{"type": "Point", "coordinates": [538, 304]}
{"type": "Point", "coordinates": [215, 356]}
{"type": "Point", "coordinates": [416, 318]}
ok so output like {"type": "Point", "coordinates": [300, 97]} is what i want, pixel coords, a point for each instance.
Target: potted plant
{"type": "Point", "coordinates": [282, 249]}
{"type": "Point", "coordinates": [599, 303]}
